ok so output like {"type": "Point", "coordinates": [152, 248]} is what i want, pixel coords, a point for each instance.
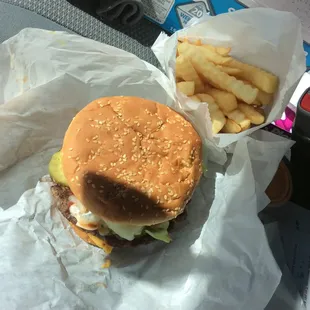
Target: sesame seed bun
{"type": "Point", "coordinates": [132, 160]}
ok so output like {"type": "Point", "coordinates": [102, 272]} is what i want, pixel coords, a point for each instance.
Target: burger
{"type": "Point", "coordinates": [126, 171]}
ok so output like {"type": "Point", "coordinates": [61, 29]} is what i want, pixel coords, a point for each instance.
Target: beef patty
{"type": "Point", "coordinates": [61, 196]}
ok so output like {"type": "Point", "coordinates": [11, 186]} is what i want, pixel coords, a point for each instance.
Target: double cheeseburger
{"type": "Point", "coordinates": [126, 171]}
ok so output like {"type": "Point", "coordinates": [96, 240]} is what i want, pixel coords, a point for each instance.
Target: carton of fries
{"type": "Point", "coordinates": [234, 72]}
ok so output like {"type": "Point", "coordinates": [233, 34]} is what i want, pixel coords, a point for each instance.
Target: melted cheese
{"type": "Point", "coordinates": [89, 221]}
{"type": "Point", "coordinates": [127, 232]}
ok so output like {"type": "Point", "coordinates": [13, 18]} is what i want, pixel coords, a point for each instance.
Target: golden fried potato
{"type": "Point", "coordinates": [229, 70]}
{"type": "Point", "coordinates": [221, 50]}
{"type": "Point", "coordinates": [217, 117]}
{"type": "Point", "coordinates": [231, 127]}
{"type": "Point", "coordinates": [206, 98]}
{"type": "Point", "coordinates": [260, 78]}
{"type": "Point", "coordinates": [240, 118]}
{"type": "Point", "coordinates": [251, 113]}
{"type": "Point", "coordinates": [224, 51]}
{"type": "Point", "coordinates": [187, 88]}
{"type": "Point", "coordinates": [222, 80]}
{"type": "Point", "coordinates": [189, 50]}
{"type": "Point", "coordinates": [226, 101]}
{"type": "Point", "coordinates": [195, 98]}
{"type": "Point", "coordinates": [264, 98]}
{"type": "Point", "coordinates": [193, 41]}
{"type": "Point", "coordinates": [185, 70]}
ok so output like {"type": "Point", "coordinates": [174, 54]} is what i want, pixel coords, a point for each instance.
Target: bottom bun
{"type": "Point", "coordinates": [61, 196]}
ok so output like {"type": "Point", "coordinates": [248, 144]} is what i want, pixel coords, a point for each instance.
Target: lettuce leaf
{"type": "Point", "coordinates": [159, 232]}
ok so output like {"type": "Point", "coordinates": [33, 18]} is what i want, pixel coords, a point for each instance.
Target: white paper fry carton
{"type": "Point", "coordinates": [265, 38]}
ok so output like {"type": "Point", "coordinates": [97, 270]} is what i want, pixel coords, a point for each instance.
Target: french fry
{"type": "Point", "coordinates": [231, 127]}
{"type": "Point", "coordinates": [240, 118]}
{"type": "Point", "coordinates": [221, 50]}
{"type": "Point", "coordinates": [251, 113]}
{"type": "Point", "coordinates": [189, 50]}
{"type": "Point", "coordinates": [229, 70]}
{"type": "Point", "coordinates": [260, 78]}
{"type": "Point", "coordinates": [187, 88]}
{"type": "Point", "coordinates": [185, 70]}
{"type": "Point", "coordinates": [196, 42]}
{"type": "Point", "coordinates": [191, 41]}
{"type": "Point", "coordinates": [224, 51]}
{"type": "Point", "coordinates": [195, 98]}
{"type": "Point", "coordinates": [206, 98]}
{"type": "Point", "coordinates": [264, 98]}
{"type": "Point", "coordinates": [217, 116]}
{"type": "Point", "coordinates": [222, 80]}
{"type": "Point", "coordinates": [218, 119]}
{"type": "Point", "coordinates": [227, 102]}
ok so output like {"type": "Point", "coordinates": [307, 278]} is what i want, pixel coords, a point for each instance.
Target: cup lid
{"type": "Point", "coordinates": [279, 190]}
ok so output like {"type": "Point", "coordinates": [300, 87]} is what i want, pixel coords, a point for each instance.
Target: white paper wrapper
{"type": "Point", "coordinates": [263, 37]}
{"type": "Point", "coordinates": [223, 262]}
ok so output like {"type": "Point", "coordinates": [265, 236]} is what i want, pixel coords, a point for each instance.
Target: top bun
{"type": "Point", "coordinates": [132, 160]}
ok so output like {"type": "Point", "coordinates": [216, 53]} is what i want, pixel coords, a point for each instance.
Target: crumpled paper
{"type": "Point", "coordinates": [220, 257]}
{"type": "Point", "coordinates": [263, 37]}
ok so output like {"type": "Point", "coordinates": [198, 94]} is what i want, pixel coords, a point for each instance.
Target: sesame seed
{"type": "Point", "coordinates": [70, 149]}
{"type": "Point", "coordinates": [93, 186]}
{"type": "Point", "coordinates": [87, 140]}
{"type": "Point", "coordinates": [76, 177]}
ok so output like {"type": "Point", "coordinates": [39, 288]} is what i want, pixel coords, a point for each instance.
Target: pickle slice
{"type": "Point", "coordinates": [55, 169]}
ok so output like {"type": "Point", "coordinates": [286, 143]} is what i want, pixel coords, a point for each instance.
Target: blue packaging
{"type": "Point", "coordinates": [173, 15]}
